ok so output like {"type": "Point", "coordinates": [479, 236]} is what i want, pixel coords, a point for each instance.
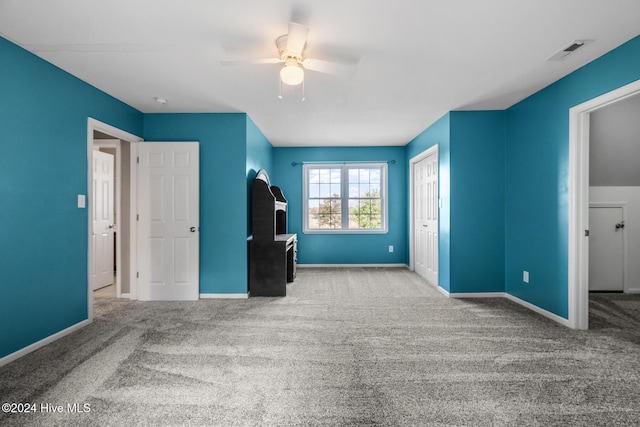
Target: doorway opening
{"type": "Point", "coordinates": [579, 200]}
{"type": "Point", "coordinates": [120, 144]}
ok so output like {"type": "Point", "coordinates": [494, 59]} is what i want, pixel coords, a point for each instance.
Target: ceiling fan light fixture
{"type": "Point", "coordinates": [291, 75]}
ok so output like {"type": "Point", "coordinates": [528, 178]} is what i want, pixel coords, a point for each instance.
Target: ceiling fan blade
{"type": "Point", "coordinates": [296, 38]}
{"type": "Point", "coordinates": [250, 61]}
{"type": "Point", "coordinates": [328, 67]}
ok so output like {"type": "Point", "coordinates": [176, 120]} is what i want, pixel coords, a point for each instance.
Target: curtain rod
{"type": "Point", "coordinates": [392, 162]}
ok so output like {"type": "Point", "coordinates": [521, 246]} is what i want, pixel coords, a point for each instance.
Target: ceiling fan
{"type": "Point", "coordinates": [292, 53]}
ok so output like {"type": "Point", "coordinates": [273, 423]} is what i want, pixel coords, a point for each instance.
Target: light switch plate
{"type": "Point", "coordinates": [82, 201]}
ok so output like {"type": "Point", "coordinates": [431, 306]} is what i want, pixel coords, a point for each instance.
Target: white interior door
{"type": "Point", "coordinates": [606, 249]}
{"type": "Point", "coordinates": [168, 220]}
{"type": "Point", "coordinates": [103, 223]}
{"type": "Point", "coordinates": [426, 217]}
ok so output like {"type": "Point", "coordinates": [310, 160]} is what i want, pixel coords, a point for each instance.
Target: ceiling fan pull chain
{"type": "Point", "coordinates": [303, 98]}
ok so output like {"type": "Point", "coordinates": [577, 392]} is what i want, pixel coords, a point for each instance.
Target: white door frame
{"type": "Point", "coordinates": [95, 125]}
{"type": "Point", "coordinates": [423, 155]}
{"type": "Point", "coordinates": [578, 262]}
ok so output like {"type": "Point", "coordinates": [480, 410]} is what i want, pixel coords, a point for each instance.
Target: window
{"type": "Point", "coordinates": [345, 198]}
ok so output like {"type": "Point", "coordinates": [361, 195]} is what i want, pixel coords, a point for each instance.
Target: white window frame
{"type": "Point", "coordinates": [344, 182]}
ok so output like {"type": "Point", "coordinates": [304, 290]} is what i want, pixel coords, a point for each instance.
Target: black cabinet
{"type": "Point", "coordinates": [272, 252]}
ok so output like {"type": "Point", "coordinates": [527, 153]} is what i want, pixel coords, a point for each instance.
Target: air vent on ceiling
{"type": "Point", "coordinates": [568, 50]}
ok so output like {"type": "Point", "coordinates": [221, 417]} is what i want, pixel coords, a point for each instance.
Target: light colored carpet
{"type": "Point", "coordinates": [357, 346]}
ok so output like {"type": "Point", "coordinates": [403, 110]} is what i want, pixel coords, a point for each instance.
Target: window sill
{"type": "Point", "coordinates": [345, 231]}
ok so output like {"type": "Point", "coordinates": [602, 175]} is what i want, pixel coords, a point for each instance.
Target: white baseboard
{"type": "Point", "coordinates": [535, 308]}
{"type": "Point", "coordinates": [443, 291]}
{"type": "Point", "coordinates": [224, 296]}
{"type": "Point", "coordinates": [478, 295]}
{"type": "Point", "coordinates": [351, 265]}
{"type": "Point", "coordinates": [48, 340]}
{"type": "Point", "coordinates": [541, 311]}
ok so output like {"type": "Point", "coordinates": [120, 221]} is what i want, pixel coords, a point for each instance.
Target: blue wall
{"type": "Point", "coordinates": [259, 151]}
{"type": "Point", "coordinates": [223, 191]}
{"type": "Point", "coordinates": [537, 159]}
{"type": "Point", "coordinates": [43, 168]}
{"type": "Point", "coordinates": [345, 248]}
{"type": "Point", "coordinates": [439, 133]}
{"type": "Point", "coordinates": [477, 201]}
{"type": "Point", "coordinates": [259, 156]}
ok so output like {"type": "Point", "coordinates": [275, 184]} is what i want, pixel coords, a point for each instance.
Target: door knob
{"type": "Point", "coordinates": [192, 229]}
{"type": "Point", "coordinates": [619, 225]}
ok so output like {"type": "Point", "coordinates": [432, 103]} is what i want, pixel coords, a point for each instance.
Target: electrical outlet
{"type": "Point", "coordinates": [390, 248]}
{"type": "Point", "coordinates": [525, 276]}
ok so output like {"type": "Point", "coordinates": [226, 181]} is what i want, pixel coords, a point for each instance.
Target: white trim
{"type": "Point", "coordinates": [443, 291]}
{"type": "Point", "coordinates": [578, 245]}
{"type": "Point", "coordinates": [478, 295]}
{"type": "Point", "coordinates": [423, 155]}
{"type": "Point", "coordinates": [510, 297]}
{"type": "Point", "coordinates": [608, 205]}
{"type": "Point", "coordinates": [344, 183]}
{"type": "Point", "coordinates": [224, 296]}
{"type": "Point", "coordinates": [350, 265]}
{"type": "Point", "coordinates": [133, 224]}
{"type": "Point", "coordinates": [539, 310]}
{"type": "Point", "coordinates": [112, 130]}
{"type": "Point", "coordinates": [39, 344]}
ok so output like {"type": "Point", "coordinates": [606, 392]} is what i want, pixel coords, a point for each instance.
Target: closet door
{"type": "Point", "coordinates": [425, 222]}
{"type": "Point", "coordinates": [103, 219]}
{"type": "Point", "coordinates": [606, 249]}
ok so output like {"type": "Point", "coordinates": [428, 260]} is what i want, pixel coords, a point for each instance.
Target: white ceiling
{"type": "Point", "coordinates": [418, 59]}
